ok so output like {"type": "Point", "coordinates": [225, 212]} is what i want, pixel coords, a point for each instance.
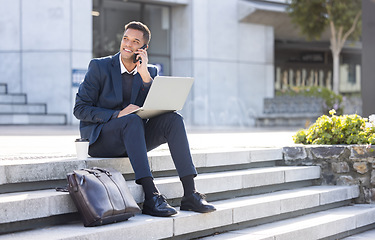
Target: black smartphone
{"type": "Point", "coordinates": [135, 55]}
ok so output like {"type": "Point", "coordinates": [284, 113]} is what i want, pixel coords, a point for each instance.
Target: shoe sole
{"type": "Point", "coordinates": [185, 208]}
{"type": "Point", "coordinates": [166, 214]}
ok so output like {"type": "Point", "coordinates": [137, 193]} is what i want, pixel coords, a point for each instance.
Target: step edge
{"type": "Point", "coordinates": [159, 162]}
{"type": "Point", "coordinates": [190, 216]}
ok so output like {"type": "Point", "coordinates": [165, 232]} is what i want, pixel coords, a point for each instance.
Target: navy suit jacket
{"type": "Point", "coordinates": [100, 95]}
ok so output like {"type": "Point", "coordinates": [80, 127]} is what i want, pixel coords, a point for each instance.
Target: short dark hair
{"type": "Point", "coordinates": [141, 27]}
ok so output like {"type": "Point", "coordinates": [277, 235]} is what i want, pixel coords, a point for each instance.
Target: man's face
{"type": "Point", "coordinates": [131, 42]}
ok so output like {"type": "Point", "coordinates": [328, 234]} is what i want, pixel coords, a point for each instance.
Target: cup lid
{"type": "Point", "coordinates": [82, 140]}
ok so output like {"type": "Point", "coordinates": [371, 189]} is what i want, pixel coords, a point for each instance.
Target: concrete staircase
{"type": "Point", "coordinates": [14, 109]}
{"type": "Point", "coordinates": [289, 111]}
{"type": "Point", "coordinates": [255, 196]}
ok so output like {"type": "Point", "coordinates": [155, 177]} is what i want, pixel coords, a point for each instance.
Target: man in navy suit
{"type": "Point", "coordinates": [114, 87]}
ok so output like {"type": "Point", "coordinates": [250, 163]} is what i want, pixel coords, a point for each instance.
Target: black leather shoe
{"type": "Point", "coordinates": [196, 202]}
{"type": "Point", "coordinates": [158, 206]}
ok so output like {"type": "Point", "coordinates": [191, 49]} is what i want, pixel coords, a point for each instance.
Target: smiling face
{"type": "Point", "coordinates": [131, 42]}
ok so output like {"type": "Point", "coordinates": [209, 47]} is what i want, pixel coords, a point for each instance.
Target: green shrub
{"type": "Point", "coordinates": [345, 129]}
{"type": "Point", "coordinates": [331, 100]}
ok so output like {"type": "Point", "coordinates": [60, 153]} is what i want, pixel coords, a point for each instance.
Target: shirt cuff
{"type": "Point", "coordinates": [147, 84]}
{"type": "Point", "coordinates": [115, 114]}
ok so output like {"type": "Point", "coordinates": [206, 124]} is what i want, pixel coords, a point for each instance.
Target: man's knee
{"type": "Point", "coordinates": [174, 117]}
{"type": "Point", "coordinates": [131, 120]}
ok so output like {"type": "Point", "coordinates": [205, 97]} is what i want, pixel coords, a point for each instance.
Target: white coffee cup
{"type": "Point", "coordinates": [82, 148]}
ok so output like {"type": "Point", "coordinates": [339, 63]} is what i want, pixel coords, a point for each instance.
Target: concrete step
{"type": "Point", "coordinates": [49, 168]}
{"type": "Point", "coordinates": [367, 235]}
{"type": "Point", "coordinates": [14, 110]}
{"type": "Point", "coordinates": [328, 224]}
{"type": "Point", "coordinates": [3, 88]}
{"type": "Point", "coordinates": [8, 108]}
{"type": "Point", "coordinates": [13, 98]}
{"type": "Point", "coordinates": [285, 119]}
{"type": "Point", "coordinates": [33, 119]}
{"type": "Point", "coordinates": [16, 206]}
{"type": "Point", "coordinates": [185, 225]}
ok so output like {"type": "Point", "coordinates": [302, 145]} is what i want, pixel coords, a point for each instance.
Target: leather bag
{"type": "Point", "coordinates": [101, 196]}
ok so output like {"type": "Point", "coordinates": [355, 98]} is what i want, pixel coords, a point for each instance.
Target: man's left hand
{"type": "Point", "coordinates": [142, 67]}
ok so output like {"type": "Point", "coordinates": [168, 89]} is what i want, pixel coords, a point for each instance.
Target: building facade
{"type": "Point", "coordinates": [41, 42]}
{"type": "Point", "coordinates": [238, 51]}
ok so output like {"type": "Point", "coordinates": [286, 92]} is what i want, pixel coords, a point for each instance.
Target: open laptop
{"type": "Point", "coordinates": [166, 94]}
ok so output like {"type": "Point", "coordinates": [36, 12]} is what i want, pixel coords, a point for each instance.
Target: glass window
{"type": "Point", "coordinates": [109, 22]}
{"type": "Point", "coordinates": [157, 18]}
{"type": "Point", "coordinates": [110, 17]}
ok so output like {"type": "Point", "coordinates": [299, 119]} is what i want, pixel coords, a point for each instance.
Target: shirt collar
{"type": "Point", "coordinates": [124, 70]}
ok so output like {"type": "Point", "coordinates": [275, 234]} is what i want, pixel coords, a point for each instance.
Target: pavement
{"type": "Point", "coordinates": [28, 142]}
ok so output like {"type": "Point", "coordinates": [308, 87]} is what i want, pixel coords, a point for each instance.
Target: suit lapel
{"type": "Point", "coordinates": [116, 77]}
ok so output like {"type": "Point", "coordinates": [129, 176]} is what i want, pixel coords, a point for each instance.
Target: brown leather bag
{"type": "Point", "coordinates": [101, 196]}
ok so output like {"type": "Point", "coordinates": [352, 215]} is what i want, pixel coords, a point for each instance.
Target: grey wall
{"type": "Point", "coordinates": [368, 57]}
{"type": "Point", "coordinates": [41, 41]}
{"type": "Point", "coordinates": [232, 62]}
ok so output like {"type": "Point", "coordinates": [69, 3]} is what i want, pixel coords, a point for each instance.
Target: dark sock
{"type": "Point", "coordinates": [188, 184]}
{"type": "Point", "coordinates": [148, 186]}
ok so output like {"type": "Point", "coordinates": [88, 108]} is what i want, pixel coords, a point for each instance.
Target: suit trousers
{"type": "Point", "coordinates": [130, 136]}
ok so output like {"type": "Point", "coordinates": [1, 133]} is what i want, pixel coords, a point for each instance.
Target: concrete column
{"type": "Point", "coordinates": [41, 43]}
{"type": "Point", "coordinates": [231, 61]}
{"type": "Point", "coordinates": [368, 57]}
{"type": "Point", "coordinates": [10, 45]}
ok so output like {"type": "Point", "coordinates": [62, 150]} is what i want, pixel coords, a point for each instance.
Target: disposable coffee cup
{"type": "Point", "coordinates": [82, 148]}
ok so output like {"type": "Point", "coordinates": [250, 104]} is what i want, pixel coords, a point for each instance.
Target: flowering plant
{"type": "Point", "coordinates": [345, 129]}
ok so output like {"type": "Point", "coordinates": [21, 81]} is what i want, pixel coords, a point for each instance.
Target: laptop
{"type": "Point", "coordinates": [166, 94]}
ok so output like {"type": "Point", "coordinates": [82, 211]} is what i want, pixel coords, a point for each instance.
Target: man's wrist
{"type": "Point", "coordinates": [146, 78]}
{"type": "Point", "coordinates": [148, 84]}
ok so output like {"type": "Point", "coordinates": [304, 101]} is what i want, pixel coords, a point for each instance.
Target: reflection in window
{"type": "Point", "coordinates": [110, 17]}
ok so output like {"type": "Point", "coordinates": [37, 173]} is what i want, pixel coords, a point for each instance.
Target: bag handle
{"type": "Point", "coordinates": [62, 189]}
{"type": "Point", "coordinates": [103, 170]}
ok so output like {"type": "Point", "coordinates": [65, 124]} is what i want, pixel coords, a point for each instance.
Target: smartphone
{"type": "Point", "coordinates": [135, 55]}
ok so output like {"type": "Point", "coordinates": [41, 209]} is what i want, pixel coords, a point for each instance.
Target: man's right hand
{"type": "Point", "coordinates": [130, 108]}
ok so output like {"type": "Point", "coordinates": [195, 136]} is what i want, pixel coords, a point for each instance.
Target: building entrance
{"type": "Point", "coordinates": [307, 64]}
{"type": "Point", "coordinates": [110, 17]}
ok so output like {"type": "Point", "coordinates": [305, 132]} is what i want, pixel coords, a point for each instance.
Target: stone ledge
{"type": "Point", "coordinates": [340, 165]}
{"type": "Point", "coordinates": [42, 169]}
{"type": "Point", "coordinates": [229, 212]}
{"type": "Point", "coordinates": [45, 203]}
